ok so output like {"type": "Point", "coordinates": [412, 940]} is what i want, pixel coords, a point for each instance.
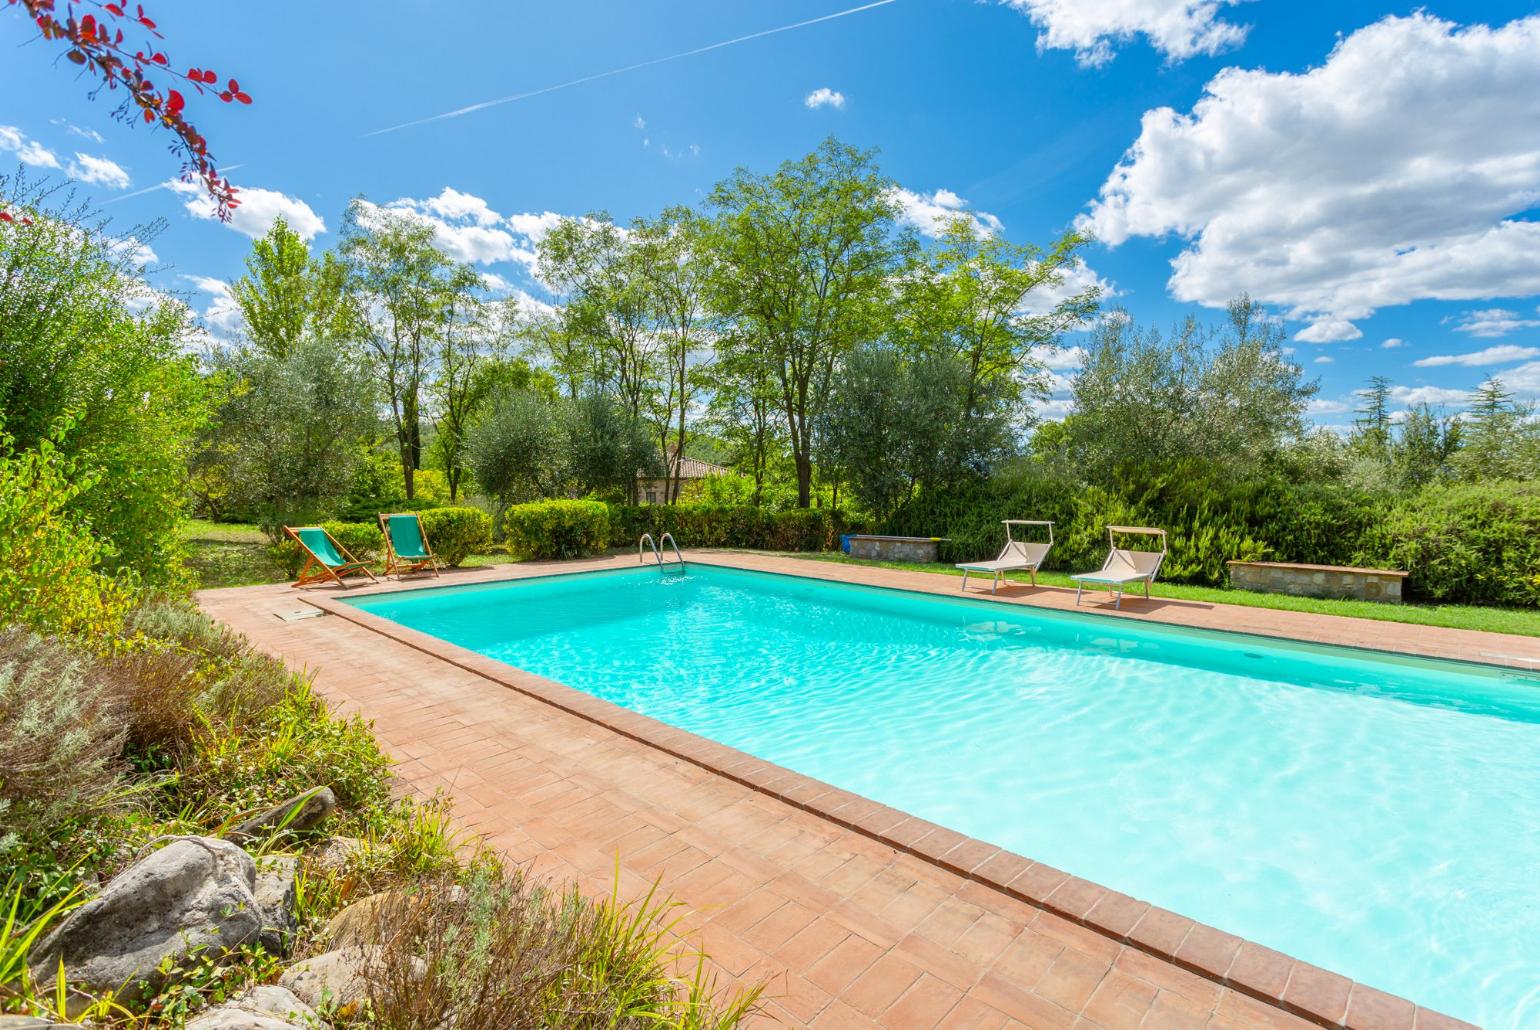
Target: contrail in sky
{"type": "Point", "coordinates": [628, 68]}
{"type": "Point", "coordinates": [162, 186]}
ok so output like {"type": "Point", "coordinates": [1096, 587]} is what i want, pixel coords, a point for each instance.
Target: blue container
{"type": "Point", "coordinates": [845, 543]}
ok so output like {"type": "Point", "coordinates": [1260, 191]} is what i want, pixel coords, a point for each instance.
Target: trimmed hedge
{"type": "Point", "coordinates": [557, 529]}
{"type": "Point", "coordinates": [724, 525]}
{"type": "Point", "coordinates": [456, 533]}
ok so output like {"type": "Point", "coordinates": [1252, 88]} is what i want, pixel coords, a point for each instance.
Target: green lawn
{"type": "Point", "coordinates": [228, 554]}
{"type": "Point", "coordinates": [1521, 621]}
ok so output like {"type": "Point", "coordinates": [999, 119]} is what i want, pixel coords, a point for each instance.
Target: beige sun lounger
{"type": "Point", "coordinates": [1124, 566]}
{"type": "Point", "coordinates": [1017, 555]}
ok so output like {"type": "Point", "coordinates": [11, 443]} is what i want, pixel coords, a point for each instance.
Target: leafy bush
{"type": "Point", "coordinates": [723, 525]}
{"type": "Point", "coordinates": [557, 529]}
{"type": "Point", "coordinates": [86, 341]}
{"type": "Point", "coordinates": [457, 533]}
{"type": "Point", "coordinates": [1477, 543]}
{"type": "Point", "coordinates": [62, 727]}
{"type": "Point", "coordinates": [50, 577]}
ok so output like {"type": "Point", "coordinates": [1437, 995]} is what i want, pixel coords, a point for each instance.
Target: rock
{"type": "Point", "coordinates": [332, 981]}
{"type": "Point", "coordinates": [33, 1023]}
{"type": "Point", "coordinates": [195, 895]}
{"type": "Point", "coordinates": [261, 1008]}
{"type": "Point", "coordinates": [336, 853]}
{"type": "Point", "coordinates": [300, 813]}
{"type": "Point", "coordinates": [275, 894]}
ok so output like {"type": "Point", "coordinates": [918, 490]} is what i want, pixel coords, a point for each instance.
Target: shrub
{"type": "Point", "coordinates": [1472, 542]}
{"type": "Point", "coordinates": [50, 578]}
{"type": "Point", "coordinates": [501, 950]}
{"type": "Point", "coordinates": [62, 728]}
{"type": "Point", "coordinates": [457, 533]}
{"type": "Point", "coordinates": [557, 529]}
{"type": "Point", "coordinates": [723, 525]}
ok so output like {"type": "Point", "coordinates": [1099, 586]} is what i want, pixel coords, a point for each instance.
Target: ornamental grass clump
{"type": "Point", "coordinates": [490, 949]}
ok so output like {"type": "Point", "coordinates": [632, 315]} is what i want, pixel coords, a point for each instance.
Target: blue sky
{"type": "Point", "coordinates": [1370, 172]}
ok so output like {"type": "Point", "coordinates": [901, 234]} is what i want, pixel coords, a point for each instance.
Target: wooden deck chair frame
{"type": "Point", "coordinates": [1122, 567]}
{"type": "Point", "coordinates": [1016, 555]}
{"type": "Point", "coordinates": [325, 572]}
{"type": "Point", "coordinates": [395, 565]}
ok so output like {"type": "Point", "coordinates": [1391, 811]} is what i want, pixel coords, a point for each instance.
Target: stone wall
{"type": "Point", "coordinates": [1317, 580]}
{"type": "Point", "coordinates": [894, 548]}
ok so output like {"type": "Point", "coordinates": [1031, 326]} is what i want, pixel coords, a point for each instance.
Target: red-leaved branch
{"type": "Point", "coordinates": [95, 40]}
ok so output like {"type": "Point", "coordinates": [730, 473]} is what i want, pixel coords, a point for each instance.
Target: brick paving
{"type": "Point", "coordinates": [847, 930]}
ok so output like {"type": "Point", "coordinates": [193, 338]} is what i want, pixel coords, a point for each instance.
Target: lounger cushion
{"type": "Point", "coordinates": [319, 544]}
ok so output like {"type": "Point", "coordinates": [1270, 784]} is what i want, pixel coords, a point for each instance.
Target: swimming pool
{"type": "Point", "coordinates": [1375, 815]}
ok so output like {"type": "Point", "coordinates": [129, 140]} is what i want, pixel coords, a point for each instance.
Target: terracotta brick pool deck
{"type": "Point", "coordinates": [855, 914]}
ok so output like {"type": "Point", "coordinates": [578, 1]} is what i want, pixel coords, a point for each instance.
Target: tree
{"type": "Point", "coordinates": [286, 294]}
{"type": "Point", "coordinates": [989, 303]}
{"type": "Point", "coordinates": [606, 323]}
{"type": "Point", "coordinates": [803, 260]}
{"type": "Point", "coordinates": [671, 253]}
{"type": "Point", "coordinates": [1498, 436]}
{"type": "Point", "coordinates": [404, 294]}
{"type": "Point", "coordinates": [608, 448]}
{"type": "Point", "coordinates": [743, 407]}
{"type": "Point", "coordinates": [1423, 448]}
{"type": "Point", "coordinates": [96, 42]}
{"type": "Point", "coordinates": [1212, 394]}
{"type": "Point", "coordinates": [1371, 429]}
{"type": "Point", "coordinates": [520, 448]}
{"type": "Point", "coordinates": [85, 341]}
{"type": "Point", "coordinates": [291, 429]}
{"type": "Point", "coordinates": [895, 423]}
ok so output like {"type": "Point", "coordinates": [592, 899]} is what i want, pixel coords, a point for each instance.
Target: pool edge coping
{"type": "Point", "coordinates": [1264, 974]}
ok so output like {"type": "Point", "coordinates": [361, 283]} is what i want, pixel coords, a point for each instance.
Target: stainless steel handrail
{"type": "Point", "coordinates": [678, 554]}
{"type": "Point", "coordinates": [641, 558]}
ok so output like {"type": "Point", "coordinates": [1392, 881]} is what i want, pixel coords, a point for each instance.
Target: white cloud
{"type": "Point", "coordinates": [1524, 381]}
{"type": "Point", "coordinates": [221, 317]}
{"type": "Point", "coordinates": [1494, 322]}
{"type": "Point", "coordinates": [1310, 191]}
{"type": "Point", "coordinates": [1324, 406]}
{"type": "Point", "coordinates": [28, 151]}
{"type": "Point", "coordinates": [134, 250]}
{"type": "Point", "coordinates": [99, 171]}
{"type": "Point", "coordinates": [1092, 28]}
{"type": "Point", "coordinates": [1060, 359]}
{"type": "Point", "coordinates": [1077, 278]}
{"type": "Point", "coordinates": [691, 151]}
{"type": "Point", "coordinates": [823, 96]}
{"type": "Point", "coordinates": [466, 228]}
{"type": "Point", "coordinates": [1491, 356]}
{"type": "Point", "coordinates": [257, 211]}
{"type": "Point", "coordinates": [1413, 395]}
{"type": "Point", "coordinates": [1324, 359]}
{"type": "Point", "coordinates": [1392, 343]}
{"type": "Point", "coordinates": [930, 213]}
{"type": "Point", "coordinates": [639, 122]}
{"type": "Point", "coordinates": [1328, 330]}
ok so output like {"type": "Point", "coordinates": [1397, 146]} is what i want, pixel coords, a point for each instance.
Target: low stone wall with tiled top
{"type": "Point", "coordinates": [1317, 580]}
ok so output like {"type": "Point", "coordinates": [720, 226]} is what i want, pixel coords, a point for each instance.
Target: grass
{"type": "Point", "coordinates": [228, 554]}
{"type": "Point", "coordinates": [1520, 621]}
{"type": "Point", "coordinates": [235, 554]}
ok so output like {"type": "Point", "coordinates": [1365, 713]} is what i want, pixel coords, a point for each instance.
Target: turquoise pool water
{"type": "Point", "coordinates": [1376, 816]}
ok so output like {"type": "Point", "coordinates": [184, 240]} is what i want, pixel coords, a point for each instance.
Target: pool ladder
{"type": "Point", "coordinates": [675, 567]}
